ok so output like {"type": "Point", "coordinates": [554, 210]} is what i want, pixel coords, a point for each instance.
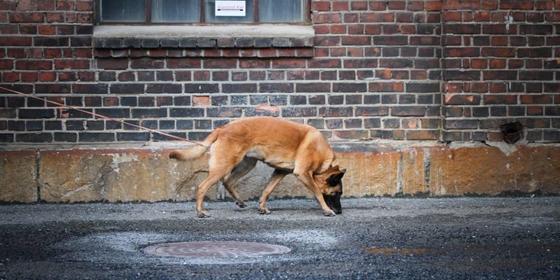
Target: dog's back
{"type": "Point", "coordinates": [274, 134]}
{"type": "Point", "coordinates": [266, 131]}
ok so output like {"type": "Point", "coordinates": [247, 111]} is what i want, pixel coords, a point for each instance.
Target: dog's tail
{"type": "Point", "coordinates": [197, 150]}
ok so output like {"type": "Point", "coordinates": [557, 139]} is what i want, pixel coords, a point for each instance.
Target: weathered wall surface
{"type": "Point", "coordinates": [140, 174]}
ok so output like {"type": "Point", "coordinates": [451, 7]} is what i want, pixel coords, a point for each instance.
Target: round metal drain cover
{"type": "Point", "coordinates": [215, 249]}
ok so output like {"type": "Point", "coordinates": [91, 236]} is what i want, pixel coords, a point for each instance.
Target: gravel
{"type": "Point", "coordinates": [443, 238]}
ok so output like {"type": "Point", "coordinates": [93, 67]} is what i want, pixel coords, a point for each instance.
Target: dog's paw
{"type": "Point", "coordinates": [329, 213]}
{"type": "Point", "coordinates": [202, 214]}
{"type": "Point", "coordinates": [264, 211]}
{"type": "Point", "coordinates": [240, 204]}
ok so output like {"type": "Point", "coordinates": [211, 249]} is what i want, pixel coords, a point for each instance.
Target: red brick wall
{"type": "Point", "coordinates": [405, 70]}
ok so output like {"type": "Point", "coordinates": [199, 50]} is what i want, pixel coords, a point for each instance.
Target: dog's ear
{"type": "Point", "coordinates": [334, 179]}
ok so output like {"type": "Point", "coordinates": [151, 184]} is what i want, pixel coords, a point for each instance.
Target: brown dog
{"type": "Point", "coordinates": [284, 145]}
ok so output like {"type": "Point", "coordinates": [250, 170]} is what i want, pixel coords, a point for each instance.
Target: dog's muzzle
{"type": "Point", "coordinates": [333, 201]}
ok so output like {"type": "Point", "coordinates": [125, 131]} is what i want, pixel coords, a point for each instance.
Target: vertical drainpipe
{"type": "Point", "coordinates": [37, 173]}
{"type": "Point", "coordinates": [442, 73]}
{"type": "Point", "coordinates": [427, 170]}
{"type": "Point", "coordinates": [400, 165]}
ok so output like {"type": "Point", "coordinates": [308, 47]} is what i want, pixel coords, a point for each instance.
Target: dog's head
{"type": "Point", "coordinates": [330, 183]}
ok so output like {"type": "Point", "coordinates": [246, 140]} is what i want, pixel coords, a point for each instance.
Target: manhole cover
{"type": "Point", "coordinates": [215, 249]}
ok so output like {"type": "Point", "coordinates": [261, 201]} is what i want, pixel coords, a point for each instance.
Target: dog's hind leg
{"type": "Point", "coordinates": [230, 182]}
{"type": "Point", "coordinates": [276, 177]}
{"type": "Point", "coordinates": [220, 164]}
{"type": "Point", "coordinates": [212, 179]}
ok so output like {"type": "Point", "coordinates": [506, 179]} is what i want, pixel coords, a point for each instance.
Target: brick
{"type": "Point", "coordinates": [498, 63]}
{"type": "Point", "coordinates": [313, 87]}
{"type": "Point", "coordinates": [422, 135]}
{"type": "Point", "coordinates": [324, 63]}
{"type": "Point", "coordinates": [462, 52]}
{"type": "Point", "coordinates": [81, 42]}
{"type": "Point", "coordinates": [186, 112]}
{"type": "Point", "coordinates": [290, 112]}
{"type": "Point", "coordinates": [500, 99]}
{"type": "Point", "coordinates": [149, 113]}
{"type": "Point", "coordinates": [183, 63]}
{"type": "Point", "coordinates": [372, 111]}
{"type": "Point", "coordinates": [461, 99]}
{"type": "Point", "coordinates": [53, 88]}
{"type": "Point", "coordinates": [396, 63]}
{"type": "Point", "coordinates": [90, 88]}
{"type": "Point", "coordinates": [552, 110]}
{"type": "Point", "coordinates": [451, 75]}
{"type": "Point", "coordinates": [225, 112]}
{"type": "Point", "coordinates": [499, 29]}
{"type": "Point", "coordinates": [276, 87]}
{"type": "Point", "coordinates": [372, 123]}
{"type": "Point", "coordinates": [408, 111]}
{"type": "Point", "coordinates": [536, 75]}
{"type": "Point", "coordinates": [72, 64]}
{"type": "Point", "coordinates": [499, 75]}
{"type": "Point", "coordinates": [133, 136]}
{"type": "Point", "coordinates": [534, 52]}
{"type": "Point", "coordinates": [498, 52]}
{"type": "Point", "coordinates": [34, 137]}
{"type": "Point", "coordinates": [201, 88]}
{"type": "Point", "coordinates": [164, 88]}
{"type": "Point", "coordinates": [96, 137]}
{"type": "Point", "coordinates": [220, 63]}
{"type": "Point", "coordinates": [390, 40]}
{"type": "Point", "coordinates": [36, 113]}
{"type": "Point", "coordinates": [34, 65]}
{"type": "Point", "coordinates": [239, 88]}
{"type": "Point", "coordinates": [552, 88]}
{"type": "Point", "coordinates": [461, 124]}
{"type": "Point", "coordinates": [127, 88]}
{"type": "Point", "coordinates": [147, 63]}
{"type": "Point", "coordinates": [354, 99]}
{"type": "Point", "coordinates": [112, 64]}
{"type": "Point", "coordinates": [463, 28]}
{"type": "Point", "coordinates": [422, 87]}
{"type": "Point", "coordinates": [536, 29]}
{"type": "Point", "coordinates": [335, 112]}
{"type": "Point", "coordinates": [114, 112]}
{"type": "Point", "coordinates": [349, 87]}
{"type": "Point", "coordinates": [283, 63]}
{"type": "Point", "coordinates": [7, 113]}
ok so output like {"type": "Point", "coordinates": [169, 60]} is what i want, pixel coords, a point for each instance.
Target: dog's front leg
{"type": "Point", "coordinates": [307, 179]}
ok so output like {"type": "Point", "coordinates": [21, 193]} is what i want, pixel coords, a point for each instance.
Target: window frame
{"type": "Point", "coordinates": [202, 21]}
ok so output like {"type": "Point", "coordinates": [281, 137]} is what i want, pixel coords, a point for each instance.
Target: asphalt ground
{"type": "Point", "coordinates": [374, 238]}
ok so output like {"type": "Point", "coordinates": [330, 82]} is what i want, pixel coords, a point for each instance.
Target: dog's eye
{"type": "Point", "coordinates": [331, 181]}
{"type": "Point", "coordinates": [335, 179]}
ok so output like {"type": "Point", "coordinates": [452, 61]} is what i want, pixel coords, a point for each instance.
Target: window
{"type": "Point", "coordinates": [200, 11]}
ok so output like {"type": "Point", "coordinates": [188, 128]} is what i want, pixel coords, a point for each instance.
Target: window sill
{"type": "Point", "coordinates": [203, 36]}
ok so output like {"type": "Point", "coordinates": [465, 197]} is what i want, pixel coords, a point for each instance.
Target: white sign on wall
{"type": "Point", "coordinates": [230, 9]}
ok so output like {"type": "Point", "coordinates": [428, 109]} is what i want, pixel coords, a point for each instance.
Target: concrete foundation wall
{"type": "Point", "coordinates": [146, 173]}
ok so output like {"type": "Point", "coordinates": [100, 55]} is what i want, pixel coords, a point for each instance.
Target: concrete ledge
{"type": "Point", "coordinates": [146, 174]}
{"type": "Point", "coordinates": [18, 176]}
{"type": "Point", "coordinates": [203, 36]}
